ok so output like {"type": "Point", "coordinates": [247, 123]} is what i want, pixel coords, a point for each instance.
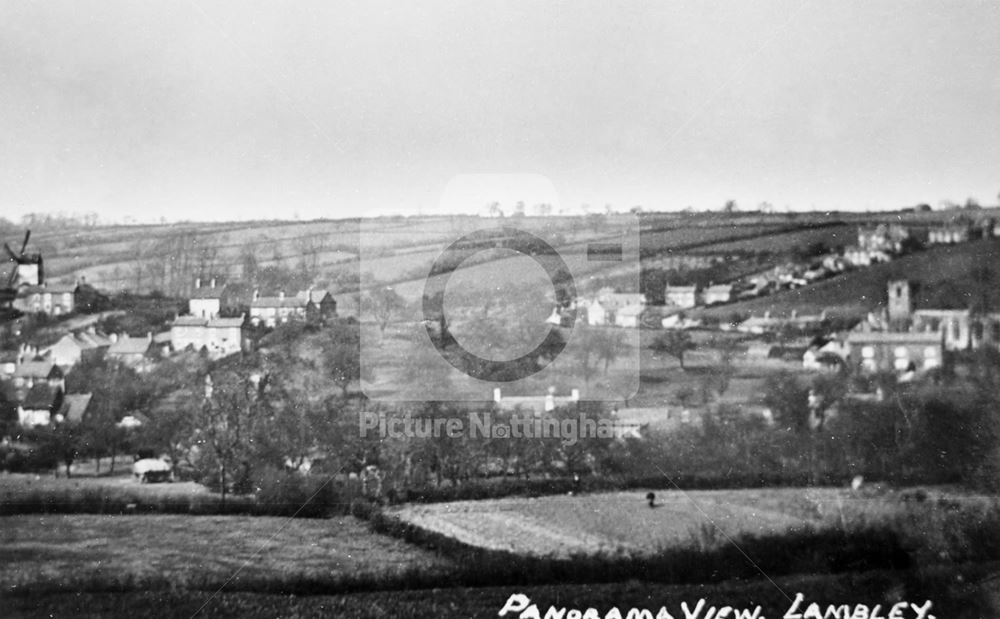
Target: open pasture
{"type": "Point", "coordinates": [622, 523]}
{"type": "Point", "coordinates": [81, 551]}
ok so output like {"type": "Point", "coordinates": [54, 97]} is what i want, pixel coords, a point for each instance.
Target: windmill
{"type": "Point", "coordinates": [26, 271]}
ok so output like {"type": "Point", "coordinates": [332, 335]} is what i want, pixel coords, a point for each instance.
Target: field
{"type": "Point", "coordinates": [622, 523]}
{"type": "Point", "coordinates": [87, 552]}
{"type": "Point", "coordinates": [966, 593]}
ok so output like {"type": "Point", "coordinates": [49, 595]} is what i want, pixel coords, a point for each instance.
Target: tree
{"type": "Point", "coordinates": [586, 353]}
{"type": "Point", "coordinates": [174, 399]}
{"type": "Point", "coordinates": [233, 406]}
{"type": "Point", "coordinates": [342, 355]}
{"type": "Point", "coordinates": [610, 344]}
{"type": "Point", "coordinates": [674, 343]}
{"type": "Point", "coordinates": [383, 303]}
{"type": "Point", "coordinates": [730, 207]}
{"type": "Point", "coordinates": [788, 400]}
{"type": "Point", "coordinates": [117, 389]}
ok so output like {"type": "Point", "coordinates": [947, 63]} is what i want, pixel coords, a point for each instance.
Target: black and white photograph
{"type": "Point", "coordinates": [652, 309]}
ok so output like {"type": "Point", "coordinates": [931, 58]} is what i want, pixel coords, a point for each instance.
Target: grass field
{"type": "Point", "coordinates": [82, 551]}
{"type": "Point", "coordinates": [970, 592]}
{"type": "Point", "coordinates": [621, 523]}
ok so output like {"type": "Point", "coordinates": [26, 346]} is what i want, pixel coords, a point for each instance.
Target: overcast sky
{"type": "Point", "coordinates": [220, 110]}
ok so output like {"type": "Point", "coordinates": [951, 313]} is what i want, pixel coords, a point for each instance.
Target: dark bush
{"type": "Point", "coordinates": [284, 493]}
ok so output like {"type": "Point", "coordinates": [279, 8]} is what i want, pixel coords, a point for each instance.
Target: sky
{"type": "Point", "coordinates": [223, 110]}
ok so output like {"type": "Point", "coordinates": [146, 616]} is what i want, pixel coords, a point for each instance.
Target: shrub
{"type": "Point", "coordinates": [284, 493]}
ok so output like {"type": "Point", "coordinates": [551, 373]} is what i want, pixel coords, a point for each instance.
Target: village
{"type": "Point", "coordinates": [724, 362]}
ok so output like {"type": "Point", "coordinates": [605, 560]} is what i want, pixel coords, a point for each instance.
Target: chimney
{"type": "Point", "coordinates": [149, 336]}
{"type": "Point", "coordinates": [212, 285]}
{"type": "Point", "coordinates": [197, 282]}
{"type": "Point", "coordinates": [281, 295]}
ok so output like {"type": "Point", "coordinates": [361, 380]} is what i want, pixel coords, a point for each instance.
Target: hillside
{"type": "Point", "coordinates": [945, 274]}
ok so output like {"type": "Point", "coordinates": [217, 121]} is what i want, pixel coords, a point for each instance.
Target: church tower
{"type": "Point", "coordinates": [900, 302]}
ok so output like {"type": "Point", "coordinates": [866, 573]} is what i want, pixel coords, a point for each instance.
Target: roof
{"type": "Point", "coordinates": [88, 340]}
{"type": "Point", "coordinates": [162, 338]}
{"type": "Point", "coordinates": [316, 295]}
{"type": "Point", "coordinates": [75, 405]}
{"type": "Point", "coordinates": [224, 323]}
{"type": "Point", "coordinates": [884, 337]}
{"type": "Point", "coordinates": [25, 291]}
{"type": "Point", "coordinates": [720, 288]}
{"type": "Point", "coordinates": [208, 292]}
{"type": "Point", "coordinates": [36, 369]}
{"type": "Point", "coordinates": [129, 346]}
{"type": "Point", "coordinates": [41, 397]}
{"type": "Point", "coordinates": [60, 288]}
{"type": "Point", "coordinates": [278, 302]}
{"type": "Point", "coordinates": [189, 321]}
{"type": "Point", "coordinates": [630, 310]}
{"type": "Point", "coordinates": [622, 299]}
{"type": "Point", "coordinates": [85, 341]}
{"type": "Point", "coordinates": [8, 356]}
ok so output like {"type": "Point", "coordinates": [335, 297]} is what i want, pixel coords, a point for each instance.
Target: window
{"type": "Point", "coordinates": [868, 352]}
{"type": "Point", "coordinates": [902, 352]}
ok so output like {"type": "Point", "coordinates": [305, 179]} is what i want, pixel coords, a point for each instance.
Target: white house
{"type": "Point", "coordinates": [681, 296]}
{"type": "Point", "coordinates": [205, 302]}
{"type": "Point", "coordinates": [219, 336]}
{"type": "Point", "coordinates": [628, 316]}
{"type": "Point", "coordinates": [594, 312]}
{"type": "Point", "coordinates": [719, 293]}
